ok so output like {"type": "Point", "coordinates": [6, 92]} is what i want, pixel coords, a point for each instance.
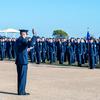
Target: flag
{"type": "Point", "coordinates": [88, 36]}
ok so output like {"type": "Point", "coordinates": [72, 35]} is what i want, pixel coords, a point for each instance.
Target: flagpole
{"type": "Point", "coordinates": [87, 29]}
{"type": "Point", "coordinates": [88, 45]}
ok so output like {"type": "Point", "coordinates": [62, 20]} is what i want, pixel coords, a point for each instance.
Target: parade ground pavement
{"type": "Point", "coordinates": [51, 82]}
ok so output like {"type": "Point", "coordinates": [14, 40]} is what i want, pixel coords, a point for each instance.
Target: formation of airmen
{"type": "Point", "coordinates": [43, 50]}
{"type": "Point", "coordinates": [53, 50]}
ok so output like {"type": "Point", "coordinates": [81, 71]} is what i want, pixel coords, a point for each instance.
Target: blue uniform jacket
{"type": "Point", "coordinates": [2, 46]}
{"type": "Point", "coordinates": [38, 47]}
{"type": "Point", "coordinates": [51, 47]}
{"type": "Point", "coordinates": [21, 51]}
{"type": "Point", "coordinates": [92, 49]}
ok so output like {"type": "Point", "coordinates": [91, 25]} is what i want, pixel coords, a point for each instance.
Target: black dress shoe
{"type": "Point", "coordinates": [37, 63]}
{"type": "Point", "coordinates": [26, 94]}
{"type": "Point", "coordinates": [79, 65]}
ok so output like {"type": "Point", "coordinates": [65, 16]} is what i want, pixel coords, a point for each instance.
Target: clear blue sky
{"type": "Point", "coordinates": [73, 16]}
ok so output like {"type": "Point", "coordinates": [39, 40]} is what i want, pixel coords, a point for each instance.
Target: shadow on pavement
{"type": "Point", "coordinates": [2, 92]}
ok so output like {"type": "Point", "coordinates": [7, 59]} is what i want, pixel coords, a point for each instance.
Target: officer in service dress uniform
{"type": "Point", "coordinates": [22, 61]}
{"type": "Point", "coordinates": [2, 48]}
{"type": "Point", "coordinates": [92, 54]}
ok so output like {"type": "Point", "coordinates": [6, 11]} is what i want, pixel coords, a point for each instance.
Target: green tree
{"type": "Point", "coordinates": [60, 34]}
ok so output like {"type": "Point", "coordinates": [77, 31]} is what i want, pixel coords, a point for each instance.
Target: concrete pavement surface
{"type": "Point", "coordinates": [51, 82]}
